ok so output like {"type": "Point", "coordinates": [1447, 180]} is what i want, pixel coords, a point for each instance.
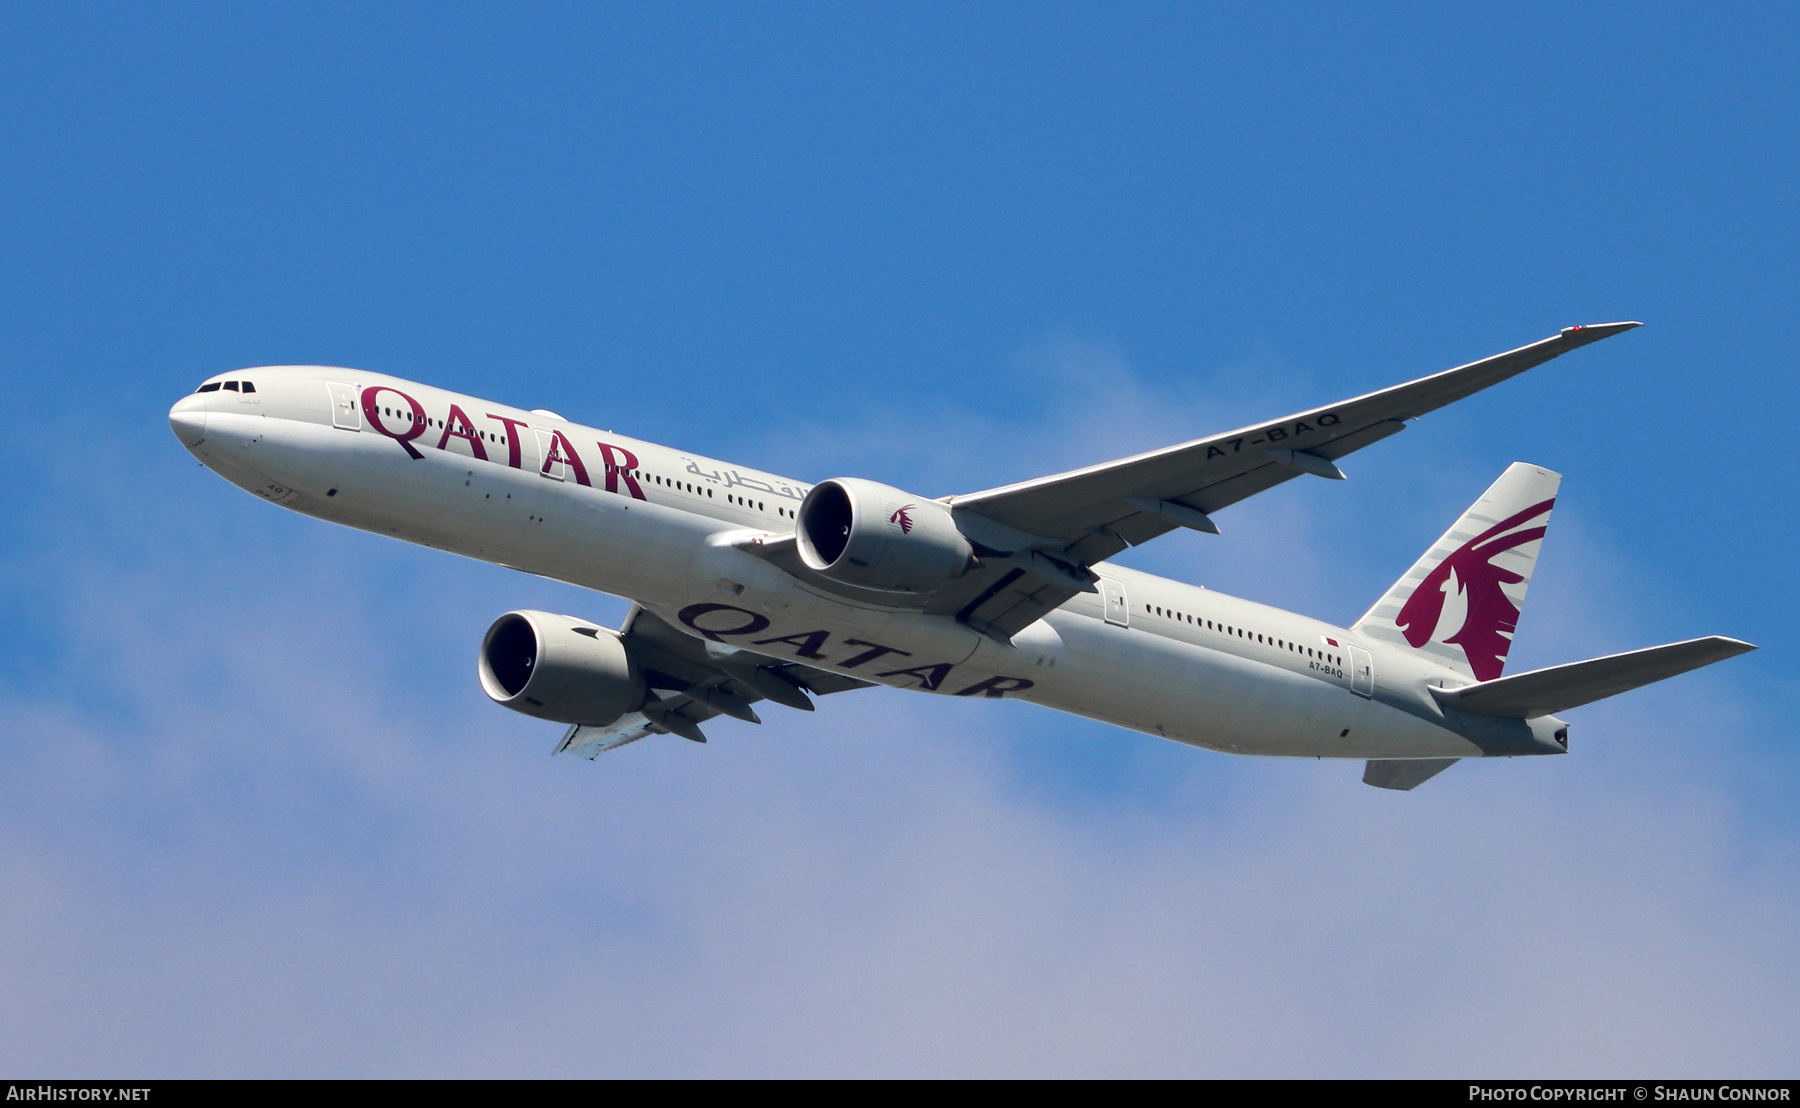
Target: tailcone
{"type": "Point", "coordinates": [1510, 738]}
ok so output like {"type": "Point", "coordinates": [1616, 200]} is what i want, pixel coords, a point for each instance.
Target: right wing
{"type": "Point", "coordinates": [692, 680]}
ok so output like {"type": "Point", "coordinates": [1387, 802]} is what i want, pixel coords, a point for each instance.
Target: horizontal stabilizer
{"type": "Point", "coordinates": [1404, 773]}
{"type": "Point", "coordinates": [1543, 692]}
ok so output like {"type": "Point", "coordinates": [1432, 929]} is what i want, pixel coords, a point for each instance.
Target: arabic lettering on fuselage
{"type": "Point", "coordinates": [731, 478]}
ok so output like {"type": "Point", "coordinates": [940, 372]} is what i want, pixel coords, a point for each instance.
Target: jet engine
{"type": "Point", "coordinates": [863, 533]}
{"type": "Point", "coordinates": [559, 668]}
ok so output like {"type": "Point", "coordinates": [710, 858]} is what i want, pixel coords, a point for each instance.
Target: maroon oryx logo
{"type": "Point", "coordinates": [903, 516]}
{"type": "Point", "coordinates": [1486, 633]}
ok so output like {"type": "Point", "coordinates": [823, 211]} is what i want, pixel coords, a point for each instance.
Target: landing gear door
{"type": "Point", "coordinates": [344, 412]}
{"type": "Point", "coordinates": [1118, 611]}
{"type": "Point", "coordinates": [1362, 671]}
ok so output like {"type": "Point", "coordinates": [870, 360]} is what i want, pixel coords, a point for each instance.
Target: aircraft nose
{"type": "Point", "coordinates": [188, 420]}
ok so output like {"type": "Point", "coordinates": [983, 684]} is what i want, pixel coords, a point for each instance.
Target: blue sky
{"type": "Point", "coordinates": [256, 817]}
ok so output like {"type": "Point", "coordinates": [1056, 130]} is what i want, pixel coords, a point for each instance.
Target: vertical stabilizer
{"type": "Point", "coordinates": [1459, 604]}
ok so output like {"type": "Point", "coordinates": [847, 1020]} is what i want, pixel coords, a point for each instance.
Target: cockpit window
{"type": "Point", "coordinates": [212, 387]}
{"type": "Point", "coordinates": [248, 387]}
{"type": "Point", "coordinates": [231, 386]}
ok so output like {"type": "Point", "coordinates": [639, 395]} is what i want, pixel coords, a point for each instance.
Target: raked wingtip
{"type": "Point", "coordinates": [1594, 332]}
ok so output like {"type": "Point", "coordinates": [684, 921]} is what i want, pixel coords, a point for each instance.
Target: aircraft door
{"type": "Point", "coordinates": [344, 411]}
{"type": "Point", "coordinates": [1118, 611]}
{"type": "Point", "coordinates": [551, 462]}
{"type": "Point", "coordinates": [1362, 671]}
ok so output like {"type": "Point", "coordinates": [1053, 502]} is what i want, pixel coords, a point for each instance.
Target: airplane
{"type": "Point", "coordinates": [749, 587]}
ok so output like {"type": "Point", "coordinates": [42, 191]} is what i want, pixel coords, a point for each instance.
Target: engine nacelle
{"type": "Point", "coordinates": [863, 533]}
{"type": "Point", "coordinates": [559, 668]}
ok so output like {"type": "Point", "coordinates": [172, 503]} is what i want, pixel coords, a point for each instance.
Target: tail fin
{"type": "Point", "coordinates": [1460, 602]}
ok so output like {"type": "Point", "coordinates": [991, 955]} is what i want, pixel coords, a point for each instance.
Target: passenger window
{"type": "Point", "coordinates": [214, 387]}
{"type": "Point", "coordinates": [231, 386]}
{"type": "Point", "coordinates": [248, 387]}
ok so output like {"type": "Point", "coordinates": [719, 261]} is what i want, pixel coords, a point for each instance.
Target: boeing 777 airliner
{"type": "Point", "coordinates": [749, 586]}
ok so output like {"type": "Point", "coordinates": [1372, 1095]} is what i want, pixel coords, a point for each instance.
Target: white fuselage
{"type": "Point", "coordinates": [537, 493]}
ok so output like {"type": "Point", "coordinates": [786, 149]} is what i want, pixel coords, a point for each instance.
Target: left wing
{"type": "Point", "coordinates": [1047, 531]}
{"type": "Point", "coordinates": [698, 680]}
